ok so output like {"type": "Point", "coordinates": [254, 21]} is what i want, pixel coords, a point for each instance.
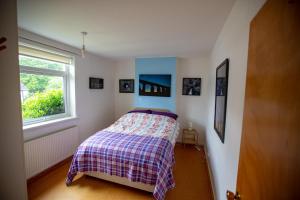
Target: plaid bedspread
{"type": "Point", "coordinates": [139, 158]}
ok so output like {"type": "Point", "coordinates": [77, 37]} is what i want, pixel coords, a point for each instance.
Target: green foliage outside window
{"type": "Point", "coordinates": [42, 95]}
{"type": "Point", "coordinates": [34, 83]}
{"type": "Point", "coordinates": [46, 103]}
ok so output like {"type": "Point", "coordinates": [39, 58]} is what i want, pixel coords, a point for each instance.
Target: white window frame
{"type": "Point", "coordinates": [66, 90]}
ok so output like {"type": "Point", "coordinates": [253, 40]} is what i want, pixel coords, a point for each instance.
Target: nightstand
{"type": "Point", "coordinates": [189, 136]}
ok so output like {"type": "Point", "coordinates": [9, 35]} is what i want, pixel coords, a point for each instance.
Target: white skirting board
{"type": "Point", "coordinates": [44, 152]}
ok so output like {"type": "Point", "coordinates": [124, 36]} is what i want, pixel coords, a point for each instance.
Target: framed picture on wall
{"type": "Point", "coordinates": [191, 86]}
{"type": "Point", "coordinates": [126, 85]}
{"type": "Point", "coordinates": [96, 83]}
{"type": "Point", "coordinates": [221, 98]}
{"type": "Point", "coordinates": [155, 85]}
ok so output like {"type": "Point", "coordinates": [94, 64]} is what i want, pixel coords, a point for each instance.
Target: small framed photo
{"type": "Point", "coordinates": [191, 86]}
{"type": "Point", "coordinates": [126, 85]}
{"type": "Point", "coordinates": [96, 83]}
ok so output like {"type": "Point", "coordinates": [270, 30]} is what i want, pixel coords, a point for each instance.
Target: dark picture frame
{"type": "Point", "coordinates": [96, 83]}
{"type": "Point", "coordinates": [126, 85]}
{"type": "Point", "coordinates": [191, 86]}
{"type": "Point", "coordinates": [157, 85]}
{"type": "Point", "coordinates": [221, 91]}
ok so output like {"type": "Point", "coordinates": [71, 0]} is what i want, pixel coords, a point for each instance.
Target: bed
{"type": "Point", "coordinates": [137, 150]}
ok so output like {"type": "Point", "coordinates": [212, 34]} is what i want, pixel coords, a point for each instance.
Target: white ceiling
{"type": "Point", "coordinates": [129, 28]}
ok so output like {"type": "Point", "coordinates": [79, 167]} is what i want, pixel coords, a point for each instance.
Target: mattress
{"type": "Point", "coordinates": [138, 146]}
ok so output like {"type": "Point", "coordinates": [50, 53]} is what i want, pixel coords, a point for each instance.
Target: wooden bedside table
{"type": "Point", "coordinates": [189, 136]}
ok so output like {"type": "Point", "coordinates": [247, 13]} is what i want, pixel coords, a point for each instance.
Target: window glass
{"type": "Point", "coordinates": [40, 63]}
{"type": "Point", "coordinates": [44, 85]}
{"type": "Point", "coordinates": [41, 96]}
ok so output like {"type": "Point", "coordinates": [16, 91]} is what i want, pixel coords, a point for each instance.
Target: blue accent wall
{"type": "Point", "coordinates": [166, 65]}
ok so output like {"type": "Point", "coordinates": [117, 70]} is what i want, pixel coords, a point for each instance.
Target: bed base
{"type": "Point", "coordinates": [122, 181]}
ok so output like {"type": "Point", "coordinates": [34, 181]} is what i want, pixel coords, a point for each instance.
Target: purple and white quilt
{"type": "Point", "coordinates": [138, 146]}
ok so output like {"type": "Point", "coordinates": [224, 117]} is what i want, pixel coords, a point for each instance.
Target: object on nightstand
{"type": "Point", "coordinates": [190, 126]}
{"type": "Point", "coordinates": [189, 136]}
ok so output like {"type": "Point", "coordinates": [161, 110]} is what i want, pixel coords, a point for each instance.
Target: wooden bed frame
{"type": "Point", "coordinates": [124, 180]}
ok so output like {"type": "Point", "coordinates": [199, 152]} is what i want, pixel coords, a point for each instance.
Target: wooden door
{"type": "Point", "coordinates": [269, 166]}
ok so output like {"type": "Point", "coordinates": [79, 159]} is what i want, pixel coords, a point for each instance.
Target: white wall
{"type": "Point", "coordinates": [193, 108]}
{"type": "Point", "coordinates": [232, 43]}
{"type": "Point", "coordinates": [189, 108]}
{"type": "Point", "coordinates": [94, 108]}
{"type": "Point", "coordinates": [12, 168]}
{"type": "Point", "coordinates": [125, 69]}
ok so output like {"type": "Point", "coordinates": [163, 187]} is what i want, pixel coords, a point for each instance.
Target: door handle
{"type": "Point", "coordinates": [231, 196]}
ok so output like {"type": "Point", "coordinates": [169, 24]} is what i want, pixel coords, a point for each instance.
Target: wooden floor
{"type": "Point", "coordinates": [190, 171]}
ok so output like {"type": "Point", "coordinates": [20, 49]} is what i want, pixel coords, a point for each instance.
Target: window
{"type": "Point", "coordinates": [44, 84]}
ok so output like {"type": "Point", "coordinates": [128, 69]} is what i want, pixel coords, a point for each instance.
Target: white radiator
{"type": "Point", "coordinates": [47, 151]}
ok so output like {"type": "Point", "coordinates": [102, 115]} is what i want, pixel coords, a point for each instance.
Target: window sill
{"type": "Point", "coordinates": [34, 131]}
